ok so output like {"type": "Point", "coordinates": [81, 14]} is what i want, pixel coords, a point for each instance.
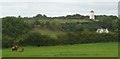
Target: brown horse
{"type": "Point", "coordinates": [21, 50]}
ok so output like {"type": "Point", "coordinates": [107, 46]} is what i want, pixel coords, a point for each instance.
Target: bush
{"type": "Point", "coordinates": [36, 39]}
{"type": "Point", "coordinates": [13, 28]}
{"type": "Point", "coordinates": [7, 42]}
{"type": "Point", "coordinates": [92, 37]}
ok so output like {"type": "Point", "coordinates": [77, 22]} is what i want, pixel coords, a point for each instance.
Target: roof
{"type": "Point", "coordinates": [92, 11]}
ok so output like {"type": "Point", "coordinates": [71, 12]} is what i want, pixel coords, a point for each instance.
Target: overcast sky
{"type": "Point", "coordinates": [57, 7]}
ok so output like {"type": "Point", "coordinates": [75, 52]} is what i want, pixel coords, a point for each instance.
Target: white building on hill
{"type": "Point", "coordinates": [92, 16]}
{"type": "Point", "coordinates": [102, 30]}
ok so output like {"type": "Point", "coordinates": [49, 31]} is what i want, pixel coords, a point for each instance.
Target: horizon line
{"type": "Point", "coordinates": [56, 15]}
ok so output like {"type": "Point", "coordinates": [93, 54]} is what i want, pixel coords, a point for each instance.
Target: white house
{"type": "Point", "coordinates": [102, 30]}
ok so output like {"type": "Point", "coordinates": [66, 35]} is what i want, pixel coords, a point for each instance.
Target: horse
{"type": "Point", "coordinates": [21, 50]}
{"type": "Point", "coordinates": [15, 48]}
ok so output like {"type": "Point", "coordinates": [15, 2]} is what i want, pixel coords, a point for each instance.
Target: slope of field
{"type": "Point", "coordinates": [48, 32]}
{"type": "Point", "coordinates": [57, 21]}
{"type": "Point", "coordinates": [79, 50]}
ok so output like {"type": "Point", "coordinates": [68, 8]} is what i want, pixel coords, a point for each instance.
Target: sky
{"type": "Point", "coordinates": [54, 8]}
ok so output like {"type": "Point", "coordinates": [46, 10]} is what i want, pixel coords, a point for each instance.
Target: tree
{"type": "Point", "coordinates": [14, 27]}
{"type": "Point", "coordinates": [39, 16]}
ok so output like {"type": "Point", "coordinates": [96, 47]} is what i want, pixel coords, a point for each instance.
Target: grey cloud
{"type": "Point", "coordinates": [55, 8]}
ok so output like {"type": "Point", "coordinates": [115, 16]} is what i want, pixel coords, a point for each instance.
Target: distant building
{"type": "Point", "coordinates": [102, 30]}
{"type": "Point", "coordinates": [92, 16]}
{"type": "Point", "coordinates": [119, 9]}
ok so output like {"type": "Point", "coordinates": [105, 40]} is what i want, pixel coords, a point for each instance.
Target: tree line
{"type": "Point", "coordinates": [70, 17]}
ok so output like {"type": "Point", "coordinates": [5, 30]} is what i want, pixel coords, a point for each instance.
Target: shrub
{"type": "Point", "coordinates": [7, 42]}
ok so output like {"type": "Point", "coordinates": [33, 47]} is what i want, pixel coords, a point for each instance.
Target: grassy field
{"type": "Point", "coordinates": [109, 49]}
{"type": "Point", "coordinates": [58, 21]}
{"type": "Point", "coordinates": [46, 31]}
{"type": "Point", "coordinates": [0, 53]}
{"type": "Point", "coordinates": [53, 34]}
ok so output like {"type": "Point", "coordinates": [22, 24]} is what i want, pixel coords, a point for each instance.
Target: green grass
{"type": "Point", "coordinates": [58, 21]}
{"type": "Point", "coordinates": [46, 31]}
{"type": "Point", "coordinates": [109, 49]}
{"type": "Point", "coordinates": [0, 53]}
{"type": "Point", "coordinates": [64, 20]}
{"type": "Point", "coordinates": [50, 33]}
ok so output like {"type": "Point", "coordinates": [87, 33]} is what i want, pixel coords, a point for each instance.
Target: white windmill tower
{"type": "Point", "coordinates": [92, 16]}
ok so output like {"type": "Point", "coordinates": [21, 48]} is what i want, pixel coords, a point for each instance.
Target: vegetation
{"type": "Point", "coordinates": [41, 30]}
{"type": "Point", "coordinates": [12, 29]}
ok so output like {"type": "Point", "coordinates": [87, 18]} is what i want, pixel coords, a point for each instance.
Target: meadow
{"type": "Point", "coordinates": [0, 53]}
{"type": "Point", "coordinates": [108, 49]}
{"type": "Point", "coordinates": [58, 21]}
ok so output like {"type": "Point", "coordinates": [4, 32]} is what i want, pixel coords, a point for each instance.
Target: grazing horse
{"type": "Point", "coordinates": [15, 48]}
{"type": "Point", "coordinates": [21, 50]}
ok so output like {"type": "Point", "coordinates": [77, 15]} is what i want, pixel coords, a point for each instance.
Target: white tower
{"type": "Point", "coordinates": [92, 16]}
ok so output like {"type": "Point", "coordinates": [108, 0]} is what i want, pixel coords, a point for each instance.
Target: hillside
{"type": "Point", "coordinates": [49, 31]}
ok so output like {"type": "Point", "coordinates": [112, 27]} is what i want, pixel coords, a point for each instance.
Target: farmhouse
{"type": "Point", "coordinates": [102, 30]}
